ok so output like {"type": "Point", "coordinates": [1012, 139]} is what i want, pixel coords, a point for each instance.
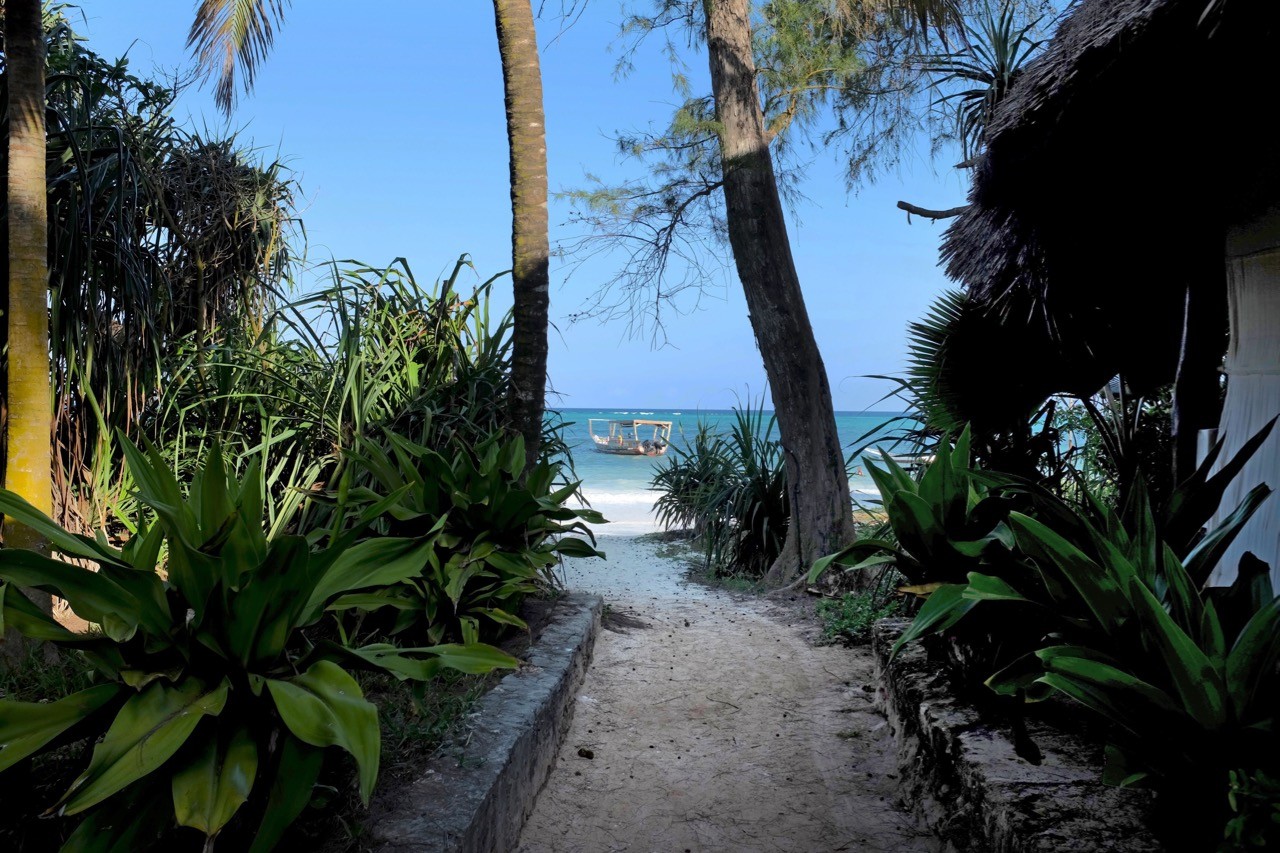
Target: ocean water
{"type": "Point", "coordinates": [618, 486]}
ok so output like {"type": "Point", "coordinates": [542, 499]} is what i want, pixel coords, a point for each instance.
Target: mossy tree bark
{"type": "Point", "coordinates": [28, 451]}
{"type": "Point", "coordinates": [530, 245]}
{"type": "Point", "coordinates": [821, 512]}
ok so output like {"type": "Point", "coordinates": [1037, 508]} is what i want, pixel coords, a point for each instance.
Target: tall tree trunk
{"type": "Point", "coordinates": [27, 463]}
{"type": "Point", "coordinates": [530, 247]}
{"type": "Point", "coordinates": [821, 512]}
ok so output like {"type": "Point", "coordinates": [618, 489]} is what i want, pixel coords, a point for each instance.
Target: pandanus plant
{"type": "Point", "coordinates": [214, 701]}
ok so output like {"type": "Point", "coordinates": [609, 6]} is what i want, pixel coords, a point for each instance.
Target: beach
{"type": "Point", "coordinates": [618, 486]}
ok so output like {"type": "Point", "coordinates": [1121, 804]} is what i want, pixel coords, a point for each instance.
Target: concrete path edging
{"type": "Point", "coordinates": [962, 775]}
{"type": "Point", "coordinates": [479, 804]}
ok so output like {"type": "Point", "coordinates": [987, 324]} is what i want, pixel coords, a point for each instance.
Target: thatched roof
{"type": "Point", "coordinates": [1111, 172]}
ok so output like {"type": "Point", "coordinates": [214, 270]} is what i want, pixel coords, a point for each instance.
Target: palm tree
{"type": "Point", "coordinates": [26, 393]}
{"type": "Point", "coordinates": [27, 460]}
{"type": "Point", "coordinates": [227, 35]}
{"type": "Point", "coordinates": [530, 246]}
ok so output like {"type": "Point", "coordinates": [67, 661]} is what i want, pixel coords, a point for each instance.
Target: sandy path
{"type": "Point", "coordinates": [717, 727]}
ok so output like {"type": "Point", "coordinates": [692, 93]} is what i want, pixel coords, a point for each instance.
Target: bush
{"type": "Point", "coordinates": [1108, 608]}
{"type": "Point", "coordinates": [731, 490]}
{"type": "Point", "coordinates": [849, 618]}
{"type": "Point", "coordinates": [489, 531]}
{"type": "Point", "coordinates": [214, 702]}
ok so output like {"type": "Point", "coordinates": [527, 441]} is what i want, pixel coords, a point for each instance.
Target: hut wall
{"type": "Point", "coordinates": [1253, 386]}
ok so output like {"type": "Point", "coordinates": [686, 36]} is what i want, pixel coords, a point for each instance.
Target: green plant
{"type": "Point", "coordinates": [215, 703]}
{"type": "Point", "coordinates": [1187, 678]}
{"type": "Point", "coordinates": [943, 526]}
{"type": "Point", "coordinates": [849, 618]}
{"type": "Point", "coordinates": [995, 50]}
{"type": "Point", "coordinates": [489, 530]}
{"type": "Point", "coordinates": [1254, 798]}
{"type": "Point", "coordinates": [731, 489]}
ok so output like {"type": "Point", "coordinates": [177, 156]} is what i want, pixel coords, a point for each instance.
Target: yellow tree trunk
{"type": "Point", "coordinates": [530, 249]}
{"type": "Point", "coordinates": [27, 312]}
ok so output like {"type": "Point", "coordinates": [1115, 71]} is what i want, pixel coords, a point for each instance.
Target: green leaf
{"type": "Point", "coordinates": [324, 707]}
{"type": "Point", "coordinates": [944, 607]}
{"type": "Point", "coordinates": [209, 790]}
{"type": "Point", "coordinates": [1204, 558]}
{"type": "Point", "coordinates": [990, 588]}
{"type": "Point", "coordinates": [372, 563]}
{"type": "Point", "coordinates": [1099, 592]}
{"type": "Point", "coordinates": [297, 770]}
{"type": "Point", "coordinates": [502, 617]}
{"type": "Point", "coordinates": [16, 507]}
{"type": "Point", "coordinates": [130, 822]}
{"type": "Point", "coordinates": [1199, 684]}
{"type": "Point", "coordinates": [91, 595]}
{"type": "Point", "coordinates": [18, 613]}
{"type": "Point", "coordinates": [424, 662]}
{"type": "Point", "coordinates": [473, 658]}
{"type": "Point", "coordinates": [572, 547]}
{"type": "Point", "coordinates": [25, 727]}
{"type": "Point", "coordinates": [149, 729]}
{"type": "Point", "coordinates": [262, 616]}
{"type": "Point", "coordinates": [1251, 663]}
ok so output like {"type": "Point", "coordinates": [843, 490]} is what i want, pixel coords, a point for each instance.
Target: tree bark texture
{"type": "Point", "coordinates": [821, 512]}
{"type": "Point", "coordinates": [530, 247]}
{"type": "Point", "coordinates": [27, 463]}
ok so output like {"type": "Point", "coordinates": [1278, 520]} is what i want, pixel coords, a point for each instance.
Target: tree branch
{"type": "Point", "coordinates": [933, 215]}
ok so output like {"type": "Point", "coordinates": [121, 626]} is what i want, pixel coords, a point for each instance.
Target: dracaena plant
{"type": "Point", "coordinates": [1185, 677]}
{"type": "Point", "coordinates": [942, 526]}
{"type": "Point", "coordinates": [213, 704]}
{"type": "Point", "coordinates": [488, 532]}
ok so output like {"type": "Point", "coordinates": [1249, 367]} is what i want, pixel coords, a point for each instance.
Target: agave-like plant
{"type": "Point", "coordinates": [215, 702]}
{"type": "Point", "coordinates": [979, 75]}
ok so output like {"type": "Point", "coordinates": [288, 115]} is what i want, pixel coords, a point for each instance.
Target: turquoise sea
{"type": "Point", "coordinates": [619, 485]}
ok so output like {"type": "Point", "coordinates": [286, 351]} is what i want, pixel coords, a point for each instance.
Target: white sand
{"type": "Point", "coordinates": [718, 726]}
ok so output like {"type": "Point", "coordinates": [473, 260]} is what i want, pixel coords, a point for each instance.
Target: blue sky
{"type": "Point", "coordinates": [393, 122]}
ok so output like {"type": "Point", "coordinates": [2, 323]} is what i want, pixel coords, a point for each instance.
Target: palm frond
{"type": "Point", "coordinates": [231, 35]}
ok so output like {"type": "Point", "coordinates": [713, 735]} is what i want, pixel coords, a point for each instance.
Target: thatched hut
{"type": "Point", "coordinates": [1127, 208]}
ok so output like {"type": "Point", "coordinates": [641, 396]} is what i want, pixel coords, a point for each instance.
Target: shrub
{"type": "Point", "coordinates": [488, 531]}
{"type": "Point", "coordinates": [215, 705]}
{"type": "Point", "coordinates": [731, 489]}
{"type": "Point", "coordinates": [849, 618]}
{"type": "Point", "coordinates": [1106, 607]}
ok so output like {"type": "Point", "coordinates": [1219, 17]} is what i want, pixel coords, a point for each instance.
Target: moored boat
{"type": "Point", "coordinates": [632, 437]}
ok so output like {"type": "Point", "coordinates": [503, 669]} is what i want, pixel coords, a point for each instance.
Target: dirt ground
{"type": "Point", "coordinates": [710, 721]}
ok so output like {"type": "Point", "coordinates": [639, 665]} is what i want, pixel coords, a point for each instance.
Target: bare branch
{"type": "Point", "coordinates": [933, 215]}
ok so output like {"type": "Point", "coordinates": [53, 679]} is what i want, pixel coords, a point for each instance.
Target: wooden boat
{"type": "Point", "coordinates": [908, 461]}
{"type": "Point", "coordinates": [630, 437]}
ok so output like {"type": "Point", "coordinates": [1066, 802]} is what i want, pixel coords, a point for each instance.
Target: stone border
{"type": "Point", "coordinates": [962, 776]}
{"type": "Point", "coordinates": [476, 795]}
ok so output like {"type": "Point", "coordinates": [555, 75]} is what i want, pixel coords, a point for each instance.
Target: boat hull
{"type": "Point", "coordinates": [631, 451]}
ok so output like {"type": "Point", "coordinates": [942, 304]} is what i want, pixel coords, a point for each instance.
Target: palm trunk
{"type": "Point", "coordinates": [530, 248]}
{"type": "Point", "coordinates": [27, 462]}
{"type": "Point", "coordinates": [821, 512]}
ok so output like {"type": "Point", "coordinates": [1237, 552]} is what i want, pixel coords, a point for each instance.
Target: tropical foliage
{"type": "Point", "coordinates": [216, 697]}
{"type": "Point", "coordinates": [730, 490]}
{"type": "Point", "coordinates": [331, 492]}
{"type": "Point", "coordinates": [490, 532]}
{"type": "Point", "coordinates": [158, 238]}
{"type": "Point", "coordinates": [1109, 607]}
